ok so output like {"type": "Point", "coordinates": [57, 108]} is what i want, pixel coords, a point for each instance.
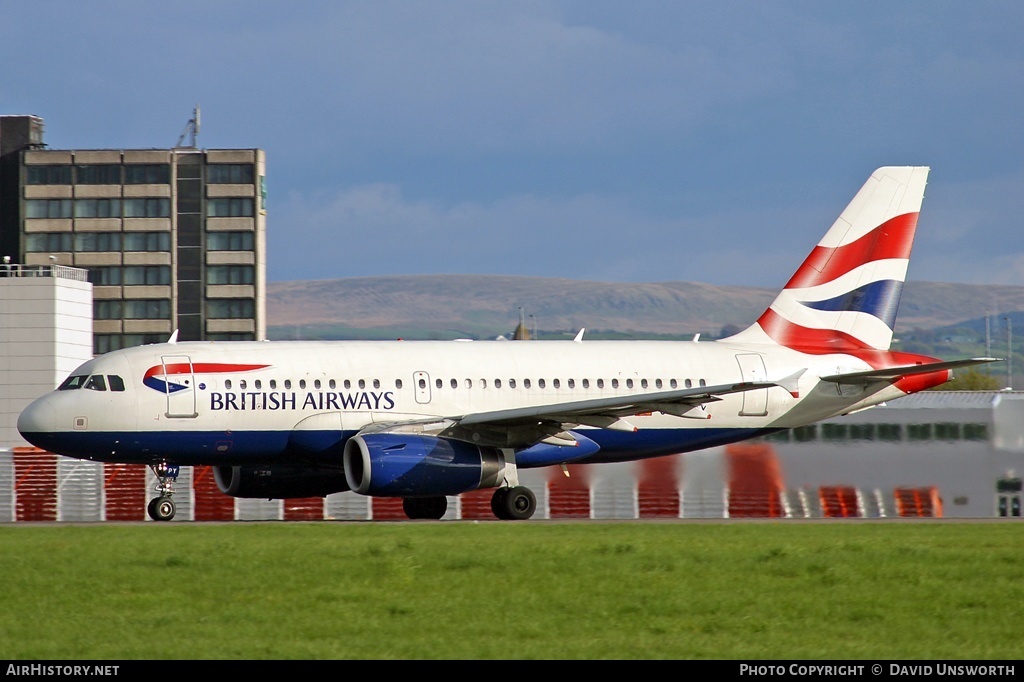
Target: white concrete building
{"type": "Point", "coordinates": [45, 332]}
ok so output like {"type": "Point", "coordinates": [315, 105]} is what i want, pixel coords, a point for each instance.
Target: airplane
{"type": "Point", "coordinates": [424, 420]}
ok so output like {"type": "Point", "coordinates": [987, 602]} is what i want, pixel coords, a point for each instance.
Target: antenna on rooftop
{"type": "Point", "coordinates": [191, 130]}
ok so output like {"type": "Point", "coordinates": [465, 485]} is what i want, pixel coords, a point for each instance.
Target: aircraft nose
{"type": "Point", "coordinates": [36, 419]}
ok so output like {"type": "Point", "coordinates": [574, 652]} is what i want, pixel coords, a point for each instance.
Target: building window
{"type": "Point", "coordinates": [890, 432]}
{"type": "Point", "coordinates": [97, 241]}
{"type": "Point", "coordinates": [834, 432]}
{"type": "Point", "coordinates": [104, 343]}
{"type": "Point", "coordinates": [230, 274]}
{"type": "Point", "coordinates": [229, 207]}
{"type": "Point", "coordinates": [919, 431]}
{"type": "Point", "coordinates": [105, 276]}
{"type": "Point", "coordinates": [106, 310]}
{"type": "Point", "coordinates": [862, 431]}
{"type": "Point", "coordinates": [229, 241]}
{"type": "Point", "coordinates": [147, 309]}
{"type": "Point", "coordinates": [48, 175]}
{"type": "Point", "coordinates": [97, 208]}
{"type": "Point", "coordinates": [149, 174]}
{"type": "Point", "coordinates": [147, 241]}
{"type": "Point", "coordinates": [150, 207]}
{"type": "Point", "coordinates": [975, 432]}
{"type": "Point", "coordinates": [230, 308]}
{"type": "Point", "coordinates": [135, 275]}
{"type": "Point", "coordinates": [229, 173]}
{"type": "Point", "coordinates": [42, 242]}
{"type": "Point", "coordinates": [48, 208]}
{"type": "Point", "coordinates": [99, 174]}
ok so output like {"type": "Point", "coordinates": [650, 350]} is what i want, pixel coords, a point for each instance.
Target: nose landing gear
{"type": "Point", "coordinates": [162, 508]}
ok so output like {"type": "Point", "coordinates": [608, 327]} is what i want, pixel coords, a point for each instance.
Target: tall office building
{"type": "Point", "coordinates": [173, 239]}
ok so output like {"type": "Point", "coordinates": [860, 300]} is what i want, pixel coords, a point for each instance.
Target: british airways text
{"type": "Point", "coordinates": [283, 400]}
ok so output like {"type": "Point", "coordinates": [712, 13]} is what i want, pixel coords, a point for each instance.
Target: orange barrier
{"type": "Point", "coordinates": [838, 501]}
{"type": "Point", "coordinates": [912, 502]}
{"type": "Point", "coordinates": [755, 482]}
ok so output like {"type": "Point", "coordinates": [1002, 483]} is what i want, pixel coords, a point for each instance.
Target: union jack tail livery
{"type": "Point", "coordinates": [426, 420]}
{"type": "Point", "coordinates": [845, 295]}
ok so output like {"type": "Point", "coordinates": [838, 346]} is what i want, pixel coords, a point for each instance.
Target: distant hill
{"type": "Point", "coordinates": [483, 306]}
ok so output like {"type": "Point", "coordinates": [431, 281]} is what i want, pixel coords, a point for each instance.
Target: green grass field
{"type": "Point", "coordinates": [854, 589]}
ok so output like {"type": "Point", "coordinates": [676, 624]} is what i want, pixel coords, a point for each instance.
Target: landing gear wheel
{"type": "Point", "coordinates": [498, 503]}
{"type": "Point", "coordinates": [161, 509]}
{"type": "Point", "coordinates": [514, 504]}
{"type": "Point", "coordinates": [425, 507]}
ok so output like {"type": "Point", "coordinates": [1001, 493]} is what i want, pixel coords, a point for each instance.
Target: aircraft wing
{"type": "Point", "coordinates": [549, 423]}
{"type": "Point", "coordinates": [891, 374]}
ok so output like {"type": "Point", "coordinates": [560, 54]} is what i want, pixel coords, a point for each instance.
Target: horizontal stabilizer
{"type": "Point", "coordinates": [895, 373]}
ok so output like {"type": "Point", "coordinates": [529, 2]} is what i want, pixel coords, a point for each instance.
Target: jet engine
{"type": "Point", "coordinates": [408, 465]}
{"type": "Point", "coordinates": [275, 482]}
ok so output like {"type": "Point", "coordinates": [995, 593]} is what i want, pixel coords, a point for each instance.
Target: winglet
{"type": "Point", "coordinates": [579, 335]}
{"type": "Point", "coordinates": [792, 382]}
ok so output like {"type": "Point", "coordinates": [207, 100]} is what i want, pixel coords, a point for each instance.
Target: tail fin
{"type": "Point", "coordinates": [845, 295]}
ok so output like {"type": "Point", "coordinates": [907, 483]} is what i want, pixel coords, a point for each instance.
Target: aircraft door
{"type": "Point", "coordinates": [755, 403]}
{"type": "Point", "coordinates": [421, 380]}
{"type": "Point", "coordinates": [179, 386]}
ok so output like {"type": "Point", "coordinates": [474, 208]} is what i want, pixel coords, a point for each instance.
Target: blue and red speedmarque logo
{"type": "Point", "coordinates": [166, 385]}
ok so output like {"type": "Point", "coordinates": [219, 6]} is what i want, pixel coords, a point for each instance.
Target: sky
{"type": "Point", "coordinates": [600, 140]}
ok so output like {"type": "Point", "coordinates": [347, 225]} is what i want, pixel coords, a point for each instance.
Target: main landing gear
{"type": "Point", "coordinates": [508, 504]}
{"type": "Point", "coordinates": [161, 508]}
{"type": "Point", "coordinates": [513, 504]}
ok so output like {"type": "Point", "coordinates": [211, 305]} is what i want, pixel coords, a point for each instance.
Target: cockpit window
{"type": "Point", "coordinates": [73, 382]}
{"type": "Point", "coordinates": [116, 382]}
{"type": "Point", "coordinates": [96, 383]}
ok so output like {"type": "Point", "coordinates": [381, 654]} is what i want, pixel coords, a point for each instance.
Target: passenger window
{"type": "Point", "coordinates": [555, 383]}
{"type": "Point", "coordinates": [302, 383]}
{"type": "Point", "coordinates": [332, 384]}
{"type": "Point", "coordinates": [615, 383]}
{"type": "Point", "coordinates": [273, 384]}
{"type": "Point", "coordinates": [398, 383]}
{"type": "Point", "coordinates": [72, 383]}
{"type": "Point", "coordinates": [376, 383]}
{"type": "Point", "coordinates": [439, 383]}
{"type": "Point", "coordinates": [423, 383]}
{"type": "Point", "coordinates": [643, 383]}
{"type": "Point", "coordinates": [600, 383]}
{"type": "Point", "coordinates": [96, 383]}
{"type": "Point", "coordinates": [586, 383]}
{"type": "Point", "coordinates": [469, 383]}
{"type": "Point", "coordinates": [629, 383]}
{"type": "Point", "coordinates": [288, 383]}
{"type": "Point", "coordinates": [689, 384]}
{"type": "Point", "coordinates": [483, 383]}
{"type": "Point", "coordinates": [227, 384]}
{"type": "Point", "coordinates": [348, 384]}
{"type": "Point", "coordinates": [258, 385]}
{"type": "Point", "coordinates": [511, 383]}
{"type": "Point", "coordinates": [703, 383]}
{"type": "Point", "coordinates": [455, 383]}
{"type": "Point", "coordinates": [526, 383]}
{"type": "Point", "coordinates": [673, 383]}
{"type": "Point", "coordinates": [657, 383]}
{"type": "Point", "coordinates": [316, 384]}
{"type": "Point", "coordinates": [116, 382]}
{"type": "Point", "coordinates": [362, 383]}
{"type": "Point", "coordinates": [241, 384]}
{"type": "Point", "coordinates": [540, 383]}
{"type": "Point", "coordinates": [572, 383]}
{"type": "Point", "coordinates": [497, 383]}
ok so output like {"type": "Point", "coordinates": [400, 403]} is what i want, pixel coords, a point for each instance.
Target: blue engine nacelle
{"type": "Point", "coordinates": [408, 465]}
{"type": "Point", "coordinates": [278, 482]}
